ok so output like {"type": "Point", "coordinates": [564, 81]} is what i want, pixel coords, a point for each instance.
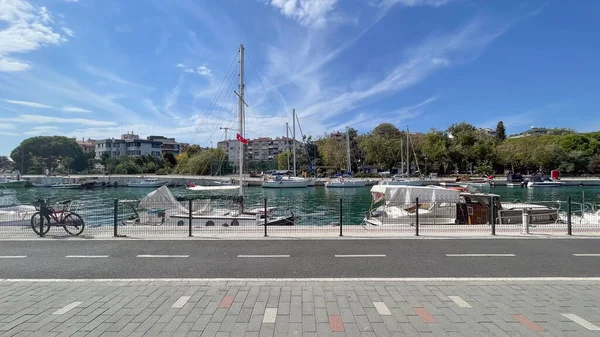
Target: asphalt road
{"type": "Point", "coordinates": [307, 258]}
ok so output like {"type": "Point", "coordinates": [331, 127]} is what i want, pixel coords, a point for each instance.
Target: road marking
{"type": "Point", "coordinates": [362, 255]}
{"type": "Point", "coordinates": [336, 324]}
{"type": "Point", "coordinates": [270, 315]}
{"type": "Point", "coordinates": [67, 308]}
{"type": "Point", "coordinates": [459, 301]}
{"type": "Point", "coordinates": [425, 315]}
{"type": "Point", "coordinates": [227, 302]}
{"type": "Point", "coordinates": [13, 257]}
{"type": "Point", "coordinates": [480, 255]}
{"type": "Point", "coordinates": [263, 256]}
{"type": "Point", "coordinates": [87, 256]}
{"type": "Point", "coordinates": [382, 309]}
{"type": "Point", "coordinates": [527, 323]}
{"type": "Point", "coordinates": [586, 254]}
{"type": "Point", "coordinates": [163, 256]}
{"type": "Point", "coordinates": [582, 322]}
{"type": "Point", "coordinates": [180, 302]}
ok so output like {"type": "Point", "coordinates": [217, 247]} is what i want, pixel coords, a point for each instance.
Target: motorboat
{"type": "Point", "coordinates": [12, 212]}
{"type": "Point", "coordinates": [284, 182]}
{"type": "Point", "coordinates": [396, 205]}
{"type": "Point", "coordinates": [12, 183]}
{"type": "Point", "coordinates": [344, 182]}
{"type": "Point", "coordinates": [515, 180]}
{"type": "Point", "coordinates": [67, 184]}
{"type": "Point", "coordinates": [537, 181]}
{"type": "Point", "coordinates": [146, 182]}
{"type": "Point", "coordinates": [398, 180]}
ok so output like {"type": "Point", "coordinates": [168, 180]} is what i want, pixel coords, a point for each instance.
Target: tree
{"type": "Point", "coordinates": [500, 132]}
{"type": "Point", "coordinates": [6, 164]}
{"type": "Point", "coordinates": [594, 164]}
{"type": "Point", "coordinates": [382, 146]}
{"type": "Point", "coordinates": [333, 153]}
{"type": "Point", "coordinates": [169, 158]}
{"type": "Point", "coordinates": [51, 150]}
{"type": "Point", "coordinates": [283, 159]}
{"type": "Point", "coordinates": [200, 163]}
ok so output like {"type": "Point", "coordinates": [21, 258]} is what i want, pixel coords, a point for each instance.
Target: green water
{"type": "Point", "coordinates": [96, 205]}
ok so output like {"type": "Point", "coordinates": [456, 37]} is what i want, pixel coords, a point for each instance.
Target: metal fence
{"type": "Point", "coordinates": [273, 218]}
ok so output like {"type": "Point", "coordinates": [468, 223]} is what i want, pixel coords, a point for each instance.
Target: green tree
{"type": "Point", "coordinates": [382, 146]}
{"type": "Point", "coordinates": [333, 153]}
{"type": "Point", "coordinates": [169, 158]}
{"type": "Point", "coordinates": [283, 159]}
{"type": "Point", "coordinates": [51, 150]}
{"type": "Point", "coordinates": [200, 163]}
{"type": "Point", "coordinates": [500, 132]}
{"type": "Point", "coordinates": [594, 164]}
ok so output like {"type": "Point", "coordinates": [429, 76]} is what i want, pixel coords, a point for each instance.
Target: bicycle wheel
{"type": "Point", "coordinates": [35, 223]}
{"type": "Point", "coordinates": [73, 224]}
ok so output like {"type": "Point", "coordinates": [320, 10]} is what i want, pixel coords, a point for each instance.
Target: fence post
{"type": "Point", "coordinates": [341, 216]}
{"type": "Point", "coordinates": [115, 217]}
{"type": "Point", "coordinates": [190, 218]}
{"type": "Point", "coordinates": [569, 223]}
{"type": "Point", "coordinates": [265, 217]}
{"type": "Point", "coordinates": [493, 216]}
{"type": "Point", "coordinates": [525, 226]}
{"type": "Point", "coordinates": [42, 206]}
{"type": "Point", "coordinates": [417, 219]}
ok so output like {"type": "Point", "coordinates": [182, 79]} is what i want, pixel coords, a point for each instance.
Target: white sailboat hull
{"type": "Point", "coordinates": [285, 184]}
{"type": "Point", "coordinates": [545, 184]}
{"type": "Point", "coordinates": [347, 183]}
{"type": "Point", "coordinates": [401, 182]}
{"type": "Point", "coordinates": [133, 184]}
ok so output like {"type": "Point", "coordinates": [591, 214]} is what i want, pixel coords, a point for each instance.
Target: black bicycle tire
{"type": "Point", "coordinates": [35, 226]}
{"type": "Point", "coordinates": [65, 225]}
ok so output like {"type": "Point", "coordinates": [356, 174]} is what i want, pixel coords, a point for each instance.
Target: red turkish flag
{"type": "Point", "coordinates": [242, 139]}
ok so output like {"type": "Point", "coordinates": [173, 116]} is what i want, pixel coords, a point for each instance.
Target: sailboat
{"type": "Point", "coordinates": [280, 181]}
{"type": "Point", "coordinates": [346, 181]}
{"type": "Point", "coordinates": [203, 212]}
{"type": "Point", "coordinates": [402, 179]}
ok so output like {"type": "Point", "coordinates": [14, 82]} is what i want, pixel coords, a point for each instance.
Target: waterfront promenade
{"type": "Point", "coordinates": [360, 288]}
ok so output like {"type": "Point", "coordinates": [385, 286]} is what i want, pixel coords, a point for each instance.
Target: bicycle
{"type": "Point", "coordinates": [71, 222]}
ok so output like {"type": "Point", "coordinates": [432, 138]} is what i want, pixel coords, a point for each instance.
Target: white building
{"type": "Point", "coordinates": [259, 149]}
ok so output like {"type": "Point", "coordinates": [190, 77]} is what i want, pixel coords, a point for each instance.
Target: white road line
{"type": "Point", "coordinates": [66, 309]}
{"type": "Point", "coordinates": [163, 256]}
{"type": "Point", "coordinates": [13, 257]}
{"type": "Point", "coordinates": [180, 302]}
{"type": "Point", "coordinates": [86, 256]}
{"type": "Point", "coordinates": [582, 322]}
{"type": "Point", "coordinates": [479, 255]}
{"type": "Point", "coordinates": [243, 256]}
{"type": "Point", "coordinates": [382, 309]}
{"type": "Point", "coordinates": [270, 315]}
{"type": "Point", "coordinates": [362, 255]}
{"type": "Point", "coordinates": [459, 301]}
{"type": "Point", "coordinates": [586, 254]}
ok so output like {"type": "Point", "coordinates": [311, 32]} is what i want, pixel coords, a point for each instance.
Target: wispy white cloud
{"type": "Point", "coordinates": [28, 28]}
{"type": "Point", "coordinates": [67, 31]}
{"type": "Point", "coordinates": [7, 126]}
{"type": "Point", "coordinates": [39, 119]}
{"type": "Point", "coordinates": [106, 75]}
{"type": "Point", "coordinates": [74, 109]}
{"type": "Point", "coordinates": [203, 70]}
{"type": "Point", "coordinates": [307, 12]}
{"type": "Point", "coordinates": [71, 0]}
{"type": "Point", "coordinates": [6, 133]}
{"type": "Point", "coordinates": [412, 3]}
{"type": "Point", "coordinates": [42, 130]}
{"type": "Point", "coordinates": [28, 104]}
{"type": "Point", "coordinates": [180, 65]}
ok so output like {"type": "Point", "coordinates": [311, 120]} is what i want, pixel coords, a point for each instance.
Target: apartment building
{"type": "Point", "coordinates": [169, 145]}
{"type": "Point", "coordinates": [86, 145]}
{"type": "Point", "coordinates": [259, 149]}
{"type": "Point", "coordinates": [129, 144]}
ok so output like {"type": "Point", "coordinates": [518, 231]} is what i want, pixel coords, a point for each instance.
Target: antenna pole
{"type": "Point", "coordinates": [294, 136]}
{"type": "Point", "coordinates": [241, 117]}
{"type": "Point", "coordinates": [349, 167]}
{"type": "Point", "coordinates": [407, 154]}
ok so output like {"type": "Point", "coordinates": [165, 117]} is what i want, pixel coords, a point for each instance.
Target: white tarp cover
{"type": "Point", "coordinates": [213, 188]}
{"type": "Point", "coordinates": [162, 198]}
{"type": "Point", "coordinates": [402, 195]}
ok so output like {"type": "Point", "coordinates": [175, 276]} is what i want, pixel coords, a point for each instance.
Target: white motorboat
{"type": "Point", "coordinates": [12, 183]}
{"type": "Point", "coordinates": [401, 182]}
{"type": "Point", "coordinates": [540, 182]}
{"type": "Point", "coordinates": [146, 182]}
{"type": "Point", "coordinates": [67, 184]}
{"type": "Point", "coordinates": [342, 182]}
{"type": "Point", "coordinates": [12, 212]}
{"type": "Point", "coordinates": [284, 182]}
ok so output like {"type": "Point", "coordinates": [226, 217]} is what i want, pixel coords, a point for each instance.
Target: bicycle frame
{"type": "Point", "coordinates": [57, 216]}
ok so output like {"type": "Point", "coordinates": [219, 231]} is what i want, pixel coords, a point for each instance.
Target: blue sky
{"type": "Point", "coordinates": [99, 68]}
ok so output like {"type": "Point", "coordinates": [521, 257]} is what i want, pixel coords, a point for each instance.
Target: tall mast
{"type": "Point", "coordinates": [401, 157]}
{"type": "Point", "coordinates": [287, 143]}
{"type": "Point", "coordinates": [294, 137]}
{"type": "Point", "coordinates": [241, 117]}
{"type": "Point", "coordinates": [348, 167]}
{"type": "Point", "coordinates": [407, 154]}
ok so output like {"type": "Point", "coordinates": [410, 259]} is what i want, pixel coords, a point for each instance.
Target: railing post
{"type": "Point", "coordinates": [42, 206]}
{"type": "Point", "coordinates": [341, 216]}
{"type": "Point", "coordinates": [115, 217]}
{"type": "Point", "coordinates": [569, 223]}
{"type": "Point", "coordinates": [493, 216]}
{"type": "Point", "coordinates": [190, 218]}
{"type": "Point", "coordinates": [525, 220]}
{"type": "Point", "coordinates": [417, 218]}
{"type": "Point", "coordinates": [265, 215]}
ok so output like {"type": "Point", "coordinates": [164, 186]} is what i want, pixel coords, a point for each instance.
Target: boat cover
{"type": "Point", "coordinates": [162, 198]}
{"type": "Point", "coordinates": [402, 195]}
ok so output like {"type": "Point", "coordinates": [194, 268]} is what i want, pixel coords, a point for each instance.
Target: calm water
{"type": "Point", "coordinates": [320, 203]}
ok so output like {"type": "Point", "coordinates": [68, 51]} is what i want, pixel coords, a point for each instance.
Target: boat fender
{"type": "Point", "coordinates": [341, 180]}
{"type": "Point", "coordinates": [115, 184]}
{"type": "Point", "coordinates": [329, 181]}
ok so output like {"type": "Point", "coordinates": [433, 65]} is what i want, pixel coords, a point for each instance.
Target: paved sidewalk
{"type": "Point", "coordinates": [275, 308]}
